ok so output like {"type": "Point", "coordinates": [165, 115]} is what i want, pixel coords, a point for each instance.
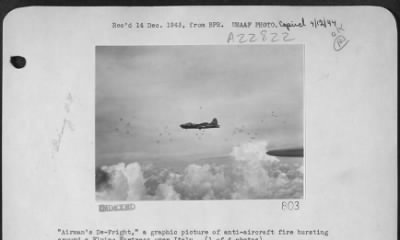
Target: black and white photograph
{"type": "Point", "coordinates": [199, 122]}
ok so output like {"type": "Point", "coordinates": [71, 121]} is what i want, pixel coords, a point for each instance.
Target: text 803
{"type": "Point", "coordinates": [290, 205]}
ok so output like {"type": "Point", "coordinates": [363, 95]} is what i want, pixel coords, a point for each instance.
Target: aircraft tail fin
{"type": "Point", "coordinates": [214, 121]}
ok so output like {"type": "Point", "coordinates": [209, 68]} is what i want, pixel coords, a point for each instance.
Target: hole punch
{"type": "Point", "coordinates": [18, 61]}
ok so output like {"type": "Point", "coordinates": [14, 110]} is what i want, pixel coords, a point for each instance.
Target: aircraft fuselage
{"type": "Point", "coordinates": [204, 125]}
{"type": "Point", "coordinates": [198, 126]}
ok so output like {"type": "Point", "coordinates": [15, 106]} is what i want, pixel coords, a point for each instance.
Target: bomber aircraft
{"type": "Point", "coordinates": [204, 125]}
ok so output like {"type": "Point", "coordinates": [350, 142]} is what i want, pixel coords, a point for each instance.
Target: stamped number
{"type": "Point", "coordinates": [290, 205]}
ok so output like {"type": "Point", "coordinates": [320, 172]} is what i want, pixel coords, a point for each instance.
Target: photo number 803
{"type": "Point", "coordinates": [290, 205]}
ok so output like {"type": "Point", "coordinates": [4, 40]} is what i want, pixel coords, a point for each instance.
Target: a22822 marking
{"type": "Point", "coordinates": [262, 36]}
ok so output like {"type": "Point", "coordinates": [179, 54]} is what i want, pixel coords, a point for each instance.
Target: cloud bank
{"type": "Point", "coordinates": [251, 175]}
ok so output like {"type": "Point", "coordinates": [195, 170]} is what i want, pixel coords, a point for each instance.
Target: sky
{"type": "Point", "coordinates": [143, 94]}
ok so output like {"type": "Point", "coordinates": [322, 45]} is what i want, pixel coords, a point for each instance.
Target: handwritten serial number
{"type": "Point", "coordinates": [262, 36]}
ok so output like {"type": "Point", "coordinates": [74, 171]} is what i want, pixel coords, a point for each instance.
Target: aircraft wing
{"type": "Point", "coordinates": [291, 152]}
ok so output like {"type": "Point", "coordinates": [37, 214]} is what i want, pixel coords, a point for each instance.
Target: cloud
{"type": "Point", "coordinates": [166, 192]}
{"type": "Point", "coordinates": [252, 151]}
{"type": "Point", "coordinates": [126, 182]}
{"type": "Point", "coordinates": [251, 175]}
{"type": "Point", "coordinates": [203, 182]}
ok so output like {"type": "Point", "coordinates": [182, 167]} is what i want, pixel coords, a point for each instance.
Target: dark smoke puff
{"type": "Point", "coordinates": [102, 180]}
{"type": "Point", "coordinates": [151, 185]}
